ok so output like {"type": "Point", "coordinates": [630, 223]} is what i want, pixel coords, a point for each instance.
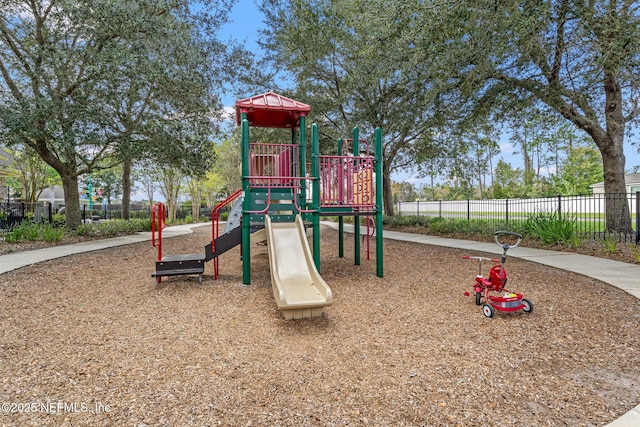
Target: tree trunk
{"type": "Point", "coordinates": [126, 188]}
{"type": "Point", "coordinates": [618, 218]}
{"type": "Point", "coordinates": [387, 197]}
{"type": "Point", "coordinates": [71, 201]}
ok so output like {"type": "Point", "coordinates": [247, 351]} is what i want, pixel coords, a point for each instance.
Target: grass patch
{"type": "Point", "coordinates": [609, 243]}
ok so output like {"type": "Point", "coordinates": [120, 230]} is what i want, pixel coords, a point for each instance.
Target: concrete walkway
{"type": "Point", "coordinates": [14, 261]}
{"type": "Point", "coordinates": [619, 274]}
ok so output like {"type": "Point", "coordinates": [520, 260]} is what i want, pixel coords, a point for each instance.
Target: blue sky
{"type": "Point", "coordinates": [244, 25]}
{"type": "Point", "coordinates": [244, 28]}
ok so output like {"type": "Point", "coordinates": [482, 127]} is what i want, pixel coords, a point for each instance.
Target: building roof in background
{"type": "Point", "coordinates": [631, 179]}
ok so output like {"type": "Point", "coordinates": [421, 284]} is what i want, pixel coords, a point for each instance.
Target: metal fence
{"type": "Point", "coordinates": [12, 213]}
{"type": "Point", "coordinates": [589, 212]}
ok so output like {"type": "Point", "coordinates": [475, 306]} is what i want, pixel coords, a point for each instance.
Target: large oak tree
{"type": "Point", "coordinates": [580, 58]}
{"type": "Point", "coordinates": [88, 84]}
{"type": "Point", "coordinates": [351, 61]}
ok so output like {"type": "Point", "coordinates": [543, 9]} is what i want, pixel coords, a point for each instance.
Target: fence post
{"type": "Point", "coordinates": [50, 209]}
{"type": "Point", "coordinates": [637, 217]}
{"type": "Point", "coordinates": [440, 208]}
{"type": "Point", "coordinates": [559, 207]}
{"type": "Point", "coordinates": [84, 214]}
{"type": "Point", "coordinates": [468, 210]}
{"type": "Point", "coordinates": [418, 208]}
{"type": "Point", "coordinates": [399, 213]}
{"type": "Point", "coordinates": [506, 211]}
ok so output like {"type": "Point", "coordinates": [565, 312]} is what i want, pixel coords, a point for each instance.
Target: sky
{"type": "Point", "coordinates": [246, 20]}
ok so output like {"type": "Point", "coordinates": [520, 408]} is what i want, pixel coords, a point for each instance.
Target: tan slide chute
{"type": "Point", "coordinates": [299, 290]}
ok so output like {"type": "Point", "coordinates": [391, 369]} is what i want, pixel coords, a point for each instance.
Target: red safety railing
{"type": "Point", "coordinates": [215, 221]}
{"type": "Point", "coordinates": [347, 181]}
{"type": "Point", "coordinates": [270, 161]}
{"type": "Point", "coordinates": [366, 238]}
{"type": "Point", "coordinates": [158, 222]}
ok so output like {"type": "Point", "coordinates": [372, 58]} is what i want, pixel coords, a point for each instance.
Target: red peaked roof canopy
{"type": "Point", "coordinates": [271, 110]}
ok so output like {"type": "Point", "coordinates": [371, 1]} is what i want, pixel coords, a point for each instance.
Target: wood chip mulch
{"type": "Point", "coordinates": [92, 338]}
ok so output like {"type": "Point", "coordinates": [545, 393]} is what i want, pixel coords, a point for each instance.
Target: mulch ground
{"type": "Point", "coordinates": [91, 332]}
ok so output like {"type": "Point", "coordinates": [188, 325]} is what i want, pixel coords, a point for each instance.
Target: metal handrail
{"type": "Point", "coordinates": [215, 221]}
{"type": "Point", "coordinates": [158, 222]}
{"type": "Point", "coordinates": [215, 215]}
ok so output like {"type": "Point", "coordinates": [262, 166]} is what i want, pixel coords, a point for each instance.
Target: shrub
{"type": "Point", "coordinates": [114, 227]}
{"type": "Point", "coordinates": [50, 233]}
{"type": "Point", "coordinates": [26, 230]}
{"type": "Point", "coordinates": [59, 220]}
{"type": "Point", "coordinates": [31, 231]}
{"type": "Point", "coordinates": [552, 228]}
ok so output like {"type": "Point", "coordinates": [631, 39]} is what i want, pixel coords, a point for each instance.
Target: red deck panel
{"type": "Point", "coordinates": [271, 110]}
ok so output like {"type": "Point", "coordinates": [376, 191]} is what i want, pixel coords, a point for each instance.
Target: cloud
{"type": "Point", "coordinates": [507, 147]}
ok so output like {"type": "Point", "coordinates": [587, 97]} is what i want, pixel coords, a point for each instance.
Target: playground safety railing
{"type": "Point", "coordinates": [215, 221]}
{"type": "Point", "coordinates": [347, 181]}
{"type": "Point", "coordinates": [158, 222]}
{"type": "Point", "coordinates": [366, 238]}
{"type": "Point", "coordinates": [268, 161]}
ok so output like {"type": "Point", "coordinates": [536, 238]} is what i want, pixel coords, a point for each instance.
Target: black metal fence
{"type": "Point", "coordinates": [12, 213]}
{"type": "Point", "coordinates": [589, 212]}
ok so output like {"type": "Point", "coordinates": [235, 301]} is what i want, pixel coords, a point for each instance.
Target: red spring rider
{"type": "Point", "coordinates": [492, 290]}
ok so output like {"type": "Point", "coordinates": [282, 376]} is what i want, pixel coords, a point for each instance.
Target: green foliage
{"type": "Point", "coordinates": [227, 166]}
{"type": "Point", "coordinates": [553, 228]}
{"type": "Point", "coordinates": [408, 221]}
{"type": "Point", "coordinates": [30, 231]}
{"type": "Point", "coordinates": [141, 83]}
{"type": "Point", "coordinates": [26, 230]}
{"type": "Point", "coordinates": [445, 226]}
{"type": "Point", "coordinates": [581, 168]}
{"type": "Point", "coordinates": [58, 220]}
{"type": "Point", "coordinates": [609, 243]}
{"type": "Point", "coordinates": [636, 253]}
{"type": "Point", "coordinates": [51, 233]}
{"type": "Point", "coordinates": [114, 228]}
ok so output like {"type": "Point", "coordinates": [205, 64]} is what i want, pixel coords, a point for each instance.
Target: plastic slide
{"type": "Point", "coordinates": [299, 290]}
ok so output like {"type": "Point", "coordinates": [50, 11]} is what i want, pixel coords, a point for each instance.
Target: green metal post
{"type": "Point", "coordinates": [246, 203]}
{"type": "Point", "coordinates": [303, 165]}
{"type": "Point", "coordinates": [340, 218]}
{"type": "Point", "coordinates": [315, 174]}
{"type": "Point", "coordinates": [356, 218]}
{"type": "Point", "coordinates": [379, 204]}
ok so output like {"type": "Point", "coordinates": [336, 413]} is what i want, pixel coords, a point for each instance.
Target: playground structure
{"type": "Point", "coordinates": [281, 191]}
